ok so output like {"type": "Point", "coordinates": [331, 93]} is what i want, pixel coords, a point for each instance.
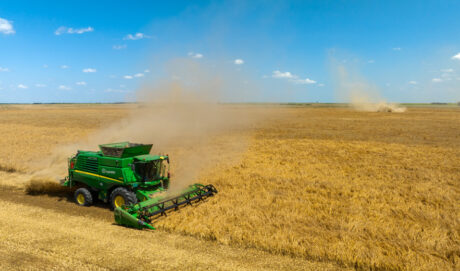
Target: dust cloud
{"type": "Point", "coordinates": [181, 115]}
{"type": "Point", "coordinates": [362, 95]}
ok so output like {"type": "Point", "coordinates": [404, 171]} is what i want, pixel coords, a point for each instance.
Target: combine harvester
{"type": "Point", "coordinates": [133, 181]}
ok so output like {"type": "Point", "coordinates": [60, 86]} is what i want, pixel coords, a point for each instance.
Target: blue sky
{"type": "Point", "coordinates": [103, 51]}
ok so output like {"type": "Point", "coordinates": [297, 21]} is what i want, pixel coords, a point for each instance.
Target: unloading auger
{"type": "Point", "coordinates": [133, 181]}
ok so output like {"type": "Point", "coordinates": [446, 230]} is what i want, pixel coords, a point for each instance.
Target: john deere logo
{"type": "Point", "coordinates": [107, 171]}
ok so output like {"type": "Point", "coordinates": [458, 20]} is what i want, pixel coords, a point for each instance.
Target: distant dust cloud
{"type": "Point", "coordinates": [362, 95]}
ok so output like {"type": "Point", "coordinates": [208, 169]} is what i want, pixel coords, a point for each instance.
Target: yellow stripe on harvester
{"type": "Point", "coordinates": [95, 175]}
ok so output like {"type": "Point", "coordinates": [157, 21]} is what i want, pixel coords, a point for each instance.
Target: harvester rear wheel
{"type": "Point", "coordinates": [83, 197]}
{"type": "Point", "coordinates": [122, 196]}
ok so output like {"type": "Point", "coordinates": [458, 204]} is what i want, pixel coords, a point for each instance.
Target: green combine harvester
{"type": "Point", "coordinates": [133, 181]}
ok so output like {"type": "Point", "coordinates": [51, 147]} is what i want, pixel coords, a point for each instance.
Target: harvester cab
{"type": "Point", "coordinates": [148, 169]}
{"type": "Point", "coordinates": [131, 179]}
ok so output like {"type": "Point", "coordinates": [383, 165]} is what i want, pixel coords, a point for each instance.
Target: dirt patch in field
{"type": "Point", "coordinates": [8, 169]}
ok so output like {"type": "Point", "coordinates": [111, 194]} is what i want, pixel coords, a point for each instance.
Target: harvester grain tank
{"type": "Point", "coordinates": [132, 180]}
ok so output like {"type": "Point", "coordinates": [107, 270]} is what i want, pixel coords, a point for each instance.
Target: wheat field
{"type": "Point", "coordinates": [315, 188]}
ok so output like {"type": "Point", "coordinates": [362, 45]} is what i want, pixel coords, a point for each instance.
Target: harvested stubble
{"type": "Point", "coordinates": [34, 237]}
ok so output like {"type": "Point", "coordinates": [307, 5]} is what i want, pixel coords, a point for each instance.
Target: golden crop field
{"type": "Point", "coordinates": [300, 188]}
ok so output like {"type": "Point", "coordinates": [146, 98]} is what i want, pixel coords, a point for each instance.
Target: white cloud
{"type": "Point", "coordinates": [436, 80]}
{"type": "Point", "coordinates": [397, 49]}
{"type": "Point", "coordinates": [304, 81]}
{"type": "Point", "coordinates": [89, 70]}
{"type": "Point", "coordinates": [119, 47]}
{"type": "Point", "coordinates": [40, 85]}
{"type": "Point", "coordinates": [6, 27]}
{"type": "Point", "coordinates": [457, 56]}
{"type": "Point", "coordinates": [137, 75]}
{"type": "Point", "coordinates": [62, 87]}
{"type": "Point", "coordinates": [64, 67]}
{"type": "Point", "coordinates": [278, 74]}
{"type": "Point", "coordinates": [146, 71]}
{"type": "Point", "coordinates": [22, 86]}
{"type": "Point", "coordinates": [238, 61]}
{"type": "Point", "coordinates": [371, 61]}
{"type": "Point", "coordinates": [195, 55]}
{"type": "Point", "coordinates": [320, 85]}
{"type": "Point", "coordinates": [81, 83]}
{"type": "Point", "coordinates": [447, 70]}
{"type": "Point", "coordinates": [292, 78]}
{"type": "Point", "coordinates": [413, 83]}
{"type": "Point", "coordinates": [70, 30]}
{"type": "Point", "coordinates": [45, 66]}
{"type": "Point", "coordinates": [137, 36]}
{"type": "Point", "coordinates": [4, 69]}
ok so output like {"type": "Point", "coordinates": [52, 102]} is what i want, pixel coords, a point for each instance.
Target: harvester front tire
{"type": "Point", "coordinates": [122, 196]}
{"type": "Point", "coordinates": [83, 197]}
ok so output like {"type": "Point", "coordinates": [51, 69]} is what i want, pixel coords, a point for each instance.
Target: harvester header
{"type": "Point", "coordinates": [132, 180]}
